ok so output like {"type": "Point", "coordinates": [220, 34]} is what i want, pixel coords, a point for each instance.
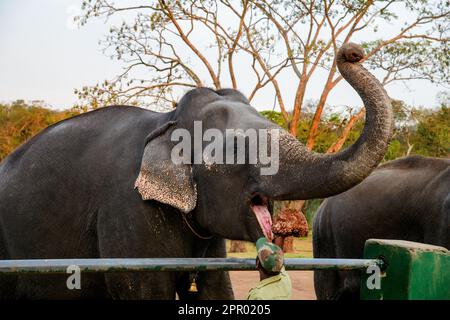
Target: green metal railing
{"type": "Point", "coordinates": [409, 270]}
{"type": "Point", "coordinates": [174, 264]}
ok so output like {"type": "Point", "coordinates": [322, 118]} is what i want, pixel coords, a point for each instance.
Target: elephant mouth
{"type": "Point", "coordinates": [259, 206]}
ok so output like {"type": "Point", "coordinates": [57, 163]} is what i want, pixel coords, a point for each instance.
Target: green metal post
{"type": "Point", "coordinates": [413, 271]}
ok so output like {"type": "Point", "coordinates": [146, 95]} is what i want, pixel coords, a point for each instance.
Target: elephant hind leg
{"type": "Point", "coordinates": [8, 286]}
{"type": "Point", "coordinates": [216, 285]}
{"type": "Point", "coordinates": [336, 285]}
{"type": "Point", "coordinates": [349, 285]}
{"type": "Point", "coordinates": [8, 282]}
{"type": "Point", "coordinates": [326, 284]}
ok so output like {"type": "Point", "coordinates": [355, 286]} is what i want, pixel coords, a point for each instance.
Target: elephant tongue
{"type": "Point", "coordinates": [264, 219]}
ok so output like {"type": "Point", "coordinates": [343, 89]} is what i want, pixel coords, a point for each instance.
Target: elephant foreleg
{"type": "Point", "coordinates": [212, 285]}
{"type": "Point", "coordinates": [134, 286]}
{"type": "Point", "coordinates": [215, 285]}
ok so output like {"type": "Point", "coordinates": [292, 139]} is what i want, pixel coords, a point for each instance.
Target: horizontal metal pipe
{"type": "Point", "coordinates": [173, 264]}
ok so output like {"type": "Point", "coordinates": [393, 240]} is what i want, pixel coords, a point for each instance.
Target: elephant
{"type": "Point", "coordinates": [405, 199]}
{"type": "Point", "coordinates": [103, 184]}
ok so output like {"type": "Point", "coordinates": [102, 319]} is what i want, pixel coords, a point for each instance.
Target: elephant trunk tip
{"type": "Point", "coordinates": [350, 52]}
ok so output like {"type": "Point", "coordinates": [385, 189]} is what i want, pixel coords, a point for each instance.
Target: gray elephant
{"type": "Point", "coordinates": [104, 184]}
{"type": "Point", "coordinates": [407, 199]}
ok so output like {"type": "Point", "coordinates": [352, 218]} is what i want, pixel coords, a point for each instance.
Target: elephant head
{"type": "Point", "coordinates": [231, 199]}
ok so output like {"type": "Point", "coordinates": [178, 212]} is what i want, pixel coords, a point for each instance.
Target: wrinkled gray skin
{"type": "Point", "coordinates": [406, 199]}
{"type": "Point", "coordinates": [70, 191]}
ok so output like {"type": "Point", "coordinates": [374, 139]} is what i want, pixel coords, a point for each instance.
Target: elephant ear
{"type": "Point", "coordinates": [162, 180]}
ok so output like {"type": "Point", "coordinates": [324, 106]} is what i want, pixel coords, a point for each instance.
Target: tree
{"type": "Point", "coordinates": [237, 246]}
{"type": "Point", "coordinates": [195, 43]}
{"type": "Point", "coordinates": [432, 136]}
{"type": "Point", "coordinates": [422, 131]}
{"type": "Point", "coordinates": [20, 121]}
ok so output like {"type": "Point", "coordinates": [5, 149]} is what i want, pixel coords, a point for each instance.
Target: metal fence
{"type": "Point", "coordinates": [174, 264]}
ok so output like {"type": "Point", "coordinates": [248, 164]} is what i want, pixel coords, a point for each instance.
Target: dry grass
{"type": "Point", "coordinates": [302, 246]}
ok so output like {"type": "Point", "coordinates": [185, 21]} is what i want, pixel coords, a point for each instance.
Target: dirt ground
{"type": "Point", "coordinates": [302, 284]}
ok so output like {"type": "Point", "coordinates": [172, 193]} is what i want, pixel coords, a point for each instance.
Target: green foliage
{"type": "Point", "coordinates": [310, 210]}
{"type": "Point", "coordinates": [432, 136]}
{"type": "Point", "coordinates": [394, 150]}
{"type": "Point", "coordinates": [275, 117]}
{"type": "Point", "coordinates": [19, 122]}
{"type": "Point", "coordinates": [328, 132]}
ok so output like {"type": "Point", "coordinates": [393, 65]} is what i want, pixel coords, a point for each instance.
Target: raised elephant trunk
{"type": "Point", "coordinates": [306, 174]}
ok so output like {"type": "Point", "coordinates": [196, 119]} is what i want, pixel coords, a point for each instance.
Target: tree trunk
{"type": "Point", "coordinates": [298, 105]}
{"type": "Point", "coordinates": [311, 140]}
{"type": "Point", "coordinates": [237, 246]}
{"type": "Point", "coordinates": [337, 146]}
{"type": "Point", "coordinates": [288, 245]}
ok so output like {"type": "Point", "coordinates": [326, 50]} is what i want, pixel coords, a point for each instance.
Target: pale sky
{"type": "Point", "coordinates": [44, 57]}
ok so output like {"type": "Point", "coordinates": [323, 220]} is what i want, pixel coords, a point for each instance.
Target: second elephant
{"type": "Point", "coordinates": [405, 199]}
